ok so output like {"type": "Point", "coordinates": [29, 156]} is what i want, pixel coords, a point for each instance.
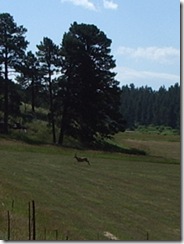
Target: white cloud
{"type": "Point", "coordinates": [162, 55]}
{"type": "Point", "coordinates": [82, 3]}
{"type": "Point", "coordinates": [141, 78]}
{"type": "Point", "coordinates": [89, 4]}
{"type": "Point", "coordinates": [110, 4]}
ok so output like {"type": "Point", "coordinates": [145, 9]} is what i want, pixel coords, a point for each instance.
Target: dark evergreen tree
{"type": "Point", "coordinates": [12, 48]}
{"type": "Point", "coordinates": [30, 77]}
{"type": "Point", "coordinates": [89, 90]}
{"type": "Point", "coordinates": [174, 106]}
{"type": "Point", "coordinates": [48, 56]}
{"type": "Point", "coordinates": [14, 100]}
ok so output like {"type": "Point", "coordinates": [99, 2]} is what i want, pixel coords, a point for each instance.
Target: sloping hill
{"type": "Point", "coordinates": [127, 196]}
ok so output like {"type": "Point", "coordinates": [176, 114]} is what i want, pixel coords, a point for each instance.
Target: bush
{"type": "Point", "coordinates": [152, 129]}
{"type": "Point", "coordinates": [37, 132]}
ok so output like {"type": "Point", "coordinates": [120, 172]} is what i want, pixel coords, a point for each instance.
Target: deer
{"type": "Point", "coordinates": [82, 159]}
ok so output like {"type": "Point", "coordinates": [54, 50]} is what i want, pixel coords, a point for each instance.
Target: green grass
{"type": "Point", "coordinates": [167, 147]}
{"type": "Point", "coordinates": [159, 130]}
{"type": "Point", "coordinates": [126, 195]}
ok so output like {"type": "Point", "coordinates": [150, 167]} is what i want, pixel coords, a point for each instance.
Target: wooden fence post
{"type": "Point", "coordinates": [9, 226]}
{"type": "Point", "coordinates": [29, 219]}
{"type": "Point", "coordinates": [33, 220]}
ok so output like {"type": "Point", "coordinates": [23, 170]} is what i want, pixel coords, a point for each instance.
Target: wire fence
{"type": "Point", "coordinates": [13, 231]}
{"type": "Point", "coordinates": [30, 232]}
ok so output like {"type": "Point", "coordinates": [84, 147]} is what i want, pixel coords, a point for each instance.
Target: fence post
{"type": "Point", "coordinates": [67, 236]}
{"type": "Point", "coordinates": [9, 227]}
{"type": "Point", "coordinates": [29, 217]}
{"type": "Point", "coordinates": [56, 234]}
{"type": "Point", "coordinates": [33, 220]}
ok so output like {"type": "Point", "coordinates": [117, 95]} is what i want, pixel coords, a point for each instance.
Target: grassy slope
{"type": "Point", "coordinates": [164, 146]}
{"type": "Point", "coordinates": [125, 195]}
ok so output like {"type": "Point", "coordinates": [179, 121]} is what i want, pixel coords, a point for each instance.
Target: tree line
{"type": "Point", "coordinates": [144, 106]}
{"type": "Point", "coordinates": [74, 81]}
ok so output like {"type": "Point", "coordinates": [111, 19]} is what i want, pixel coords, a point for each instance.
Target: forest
{"type": "Point", "coordinates": [75, 85]}
{"type": "Point", "coordinates": [144, 106]}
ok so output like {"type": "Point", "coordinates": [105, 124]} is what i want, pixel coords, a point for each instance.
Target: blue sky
{"type": "Point", "coordinates": [145, 34]}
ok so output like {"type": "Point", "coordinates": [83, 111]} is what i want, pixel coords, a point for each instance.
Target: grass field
{"type": "Point", "coordinates": [133, 197]}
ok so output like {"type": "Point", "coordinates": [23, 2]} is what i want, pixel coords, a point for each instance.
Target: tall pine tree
{"type": "Point", "coordinates": [48, 56]}
{"type": "Point", "coordinates": [91, 96]}
{"type": "Point", "coordinates": [12, 48]}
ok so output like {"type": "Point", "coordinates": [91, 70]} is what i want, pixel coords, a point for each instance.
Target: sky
{"type": "Point", "coordinates": [145, 34]}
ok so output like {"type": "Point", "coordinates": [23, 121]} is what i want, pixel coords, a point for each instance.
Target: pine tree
{"type": "Point", "coordinates": [30, 76]}
{"type": "Point", "coordinates": [12, 48]}
{"type": "Point", "coordinates": [92, 96]}
{"type": "Point", "coordinates": [48, 56]}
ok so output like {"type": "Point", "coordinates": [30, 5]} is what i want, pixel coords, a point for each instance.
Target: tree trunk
{"type": "Point", "coordinates": [6, 91]}
{"type": "Point", "coordinates": [33, 95]}
{"type": "Point", "coordinates": [62, 128]}
{"type": "Point", "coordinates": [52, 109]}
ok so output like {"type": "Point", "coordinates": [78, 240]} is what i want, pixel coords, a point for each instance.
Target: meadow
{"type": "Point", "coordinates": [134, 197]}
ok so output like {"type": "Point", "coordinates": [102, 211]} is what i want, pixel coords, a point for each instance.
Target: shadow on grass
{"type": "Point", "coordinates": [106, 146]}
{"type": "Point", "coordinates": [98, 145]}
{"type": "Point", "coordinates": [27, 139]}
